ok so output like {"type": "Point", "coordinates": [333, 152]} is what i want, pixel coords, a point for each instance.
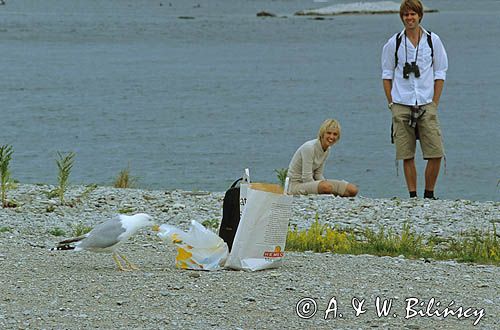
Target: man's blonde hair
{"type": "Point", "coordinates": [327, 125]}
{"type": "Point", "coordinates": [414, 5]}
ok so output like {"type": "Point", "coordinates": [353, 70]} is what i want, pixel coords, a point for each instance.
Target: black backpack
{"type": "Point", "coordinates": [230, 214]}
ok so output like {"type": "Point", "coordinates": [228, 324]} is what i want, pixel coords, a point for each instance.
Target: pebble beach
{"type": "Point", "coordinates": [43, 289]}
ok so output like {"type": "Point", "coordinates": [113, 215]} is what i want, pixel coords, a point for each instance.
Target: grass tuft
{"type": "Point", "coordinates": [211, 224]}
{"type": "Point", "coordinates": [281, 173]}
{"type": "Point", "coordinates": [88, 190]}
{"type": "Point", "coordinates": [382, 243]}
{"type": "Point", "coordinates": [5, 229]}
{"type": "Point", "coordinates": [5, 180]}
{"type": "Point", "coordinates": [319, 238]}
{"type": "Point", "coordinates": [481, 247]}
{"type": "Point", "coordinates": [57, 232]}
{"type": "Point", "coordinates": [126, 210]}
{"type": "Point", "coordinates": [124, 179]}
{"type": "Point", "coordinates": [80, 229]}
{"type": "Point", "coordinates": [64, 165]}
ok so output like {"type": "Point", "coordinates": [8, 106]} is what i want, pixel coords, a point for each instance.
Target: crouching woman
{"type": "Point", "coordinates": [306, 167]}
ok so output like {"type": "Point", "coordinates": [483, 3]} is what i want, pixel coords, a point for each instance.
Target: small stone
{"type": "Point", "coordinates": [178, 287]}
{"type": "Point", "coordinates": [265, 14]}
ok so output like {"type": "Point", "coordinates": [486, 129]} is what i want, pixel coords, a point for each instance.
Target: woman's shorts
{"type": "Point", "coordinates": [429, 132]}
{"type": "Point", "coordinates": [298, 188]}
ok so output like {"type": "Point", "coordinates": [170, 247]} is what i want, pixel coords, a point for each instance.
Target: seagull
{"type": "Point", "coordinates": [107, 236]}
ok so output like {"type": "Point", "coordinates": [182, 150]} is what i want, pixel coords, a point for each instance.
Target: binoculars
{"type": "Point", "coordinates": [409, 68]}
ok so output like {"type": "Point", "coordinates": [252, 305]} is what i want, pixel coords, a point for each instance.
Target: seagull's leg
{"type": "Point", "coordinates": [118, 263]}
{"type": "Point", "coordinates": [128, 263]}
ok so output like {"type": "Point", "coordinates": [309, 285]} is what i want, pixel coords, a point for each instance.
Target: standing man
{"type": "Point", "coordinates": [414, 64]}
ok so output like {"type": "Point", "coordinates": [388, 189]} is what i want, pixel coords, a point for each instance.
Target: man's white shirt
{"type": "Point", "coordinates": [414, 91]}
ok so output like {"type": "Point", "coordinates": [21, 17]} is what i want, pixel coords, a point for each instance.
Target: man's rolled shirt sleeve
{"type": "Point", "coordinates": [388, 60]}
{"type": "Point", "coordinates": [440, 58]}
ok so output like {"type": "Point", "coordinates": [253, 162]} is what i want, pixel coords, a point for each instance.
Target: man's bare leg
{"type": "Point", "coordinates": [431, 175]}
{"type": "Point", "coordinates": [410, 174]}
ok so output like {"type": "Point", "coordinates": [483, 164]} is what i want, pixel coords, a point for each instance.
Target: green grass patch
{"type": "Point", "coordinates": [320, 238]}
{"type": "Point", "coordinates": [64, 166]}
{"type": "Point", "coordinates": [52, 193]}
{"type": "Point", "coordinates": [80, 229]}
{"type": "Point", "coordinates": [125, 180]}
{"type": "Point", "coordinates": [479, 247]}
{"type": "Point", "coordinates": [57, 232]}
{"type": "Point", "coordinates": [6, 152]}
{"type": "Point", "coordinates": [88, 190]}
{"type": "Point", "coordinates": [10, 203]}
{"type": "Point", "coordinates": [126, 210]}
{"type": "Point", "coordinates": [482, 247]}
{"type": "Point", "coordinates": [5, 229]}
{"type": "Point", "coordinates": [211, 224]}
{"type": "Point", "coordinates": [50, 208]}
{"type": "Point", "coordinates": [388, 243]}
{"type": "Point", "coordinates": [281, 174]}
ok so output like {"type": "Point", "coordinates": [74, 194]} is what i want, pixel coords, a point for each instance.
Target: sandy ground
{"type": "Point", "coordinates": [42, 289]}
{"type": "Point", "coordinates": [68, 290]}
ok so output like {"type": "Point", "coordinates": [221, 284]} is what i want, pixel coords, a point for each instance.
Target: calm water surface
{"type": "Point", "coordinates": [189, 103]}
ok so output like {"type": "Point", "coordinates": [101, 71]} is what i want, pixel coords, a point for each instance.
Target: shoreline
{"type": "Point", "coordinates": [67, 290]}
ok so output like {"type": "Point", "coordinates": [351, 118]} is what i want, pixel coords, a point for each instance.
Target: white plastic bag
{"type": "Point", "coordinates": [199, 248]}
{"type": "Point", "coordinates": [261, 236]}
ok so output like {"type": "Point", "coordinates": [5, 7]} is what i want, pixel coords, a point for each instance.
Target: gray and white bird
{"type": "Point", "coordinates": [107, 236]}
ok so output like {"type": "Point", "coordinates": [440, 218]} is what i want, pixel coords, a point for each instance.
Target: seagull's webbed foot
{"type": "Point", "coordinates": [130, 265]}
{"type": "Point", "coordinates": [118, 262]}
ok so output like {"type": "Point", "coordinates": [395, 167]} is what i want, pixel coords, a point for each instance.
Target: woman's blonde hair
{"type": "Point", "coordinates": [329, 124]}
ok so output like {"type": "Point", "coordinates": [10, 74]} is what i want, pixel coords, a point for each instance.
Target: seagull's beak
{"type": "Point", "coordinates": [155, 227]}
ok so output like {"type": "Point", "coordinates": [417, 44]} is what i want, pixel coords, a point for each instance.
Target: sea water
{"type": "Point", "coordinates": [188, 93]}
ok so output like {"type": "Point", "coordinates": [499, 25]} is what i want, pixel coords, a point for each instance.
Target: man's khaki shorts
{"type": "Point", "coordinates": [298, 188]}
{"type": "Point", "coordinates": [429, 132]}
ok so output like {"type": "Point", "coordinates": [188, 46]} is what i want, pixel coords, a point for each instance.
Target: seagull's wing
{"type": "Point", "coordinates": [103, 236]}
